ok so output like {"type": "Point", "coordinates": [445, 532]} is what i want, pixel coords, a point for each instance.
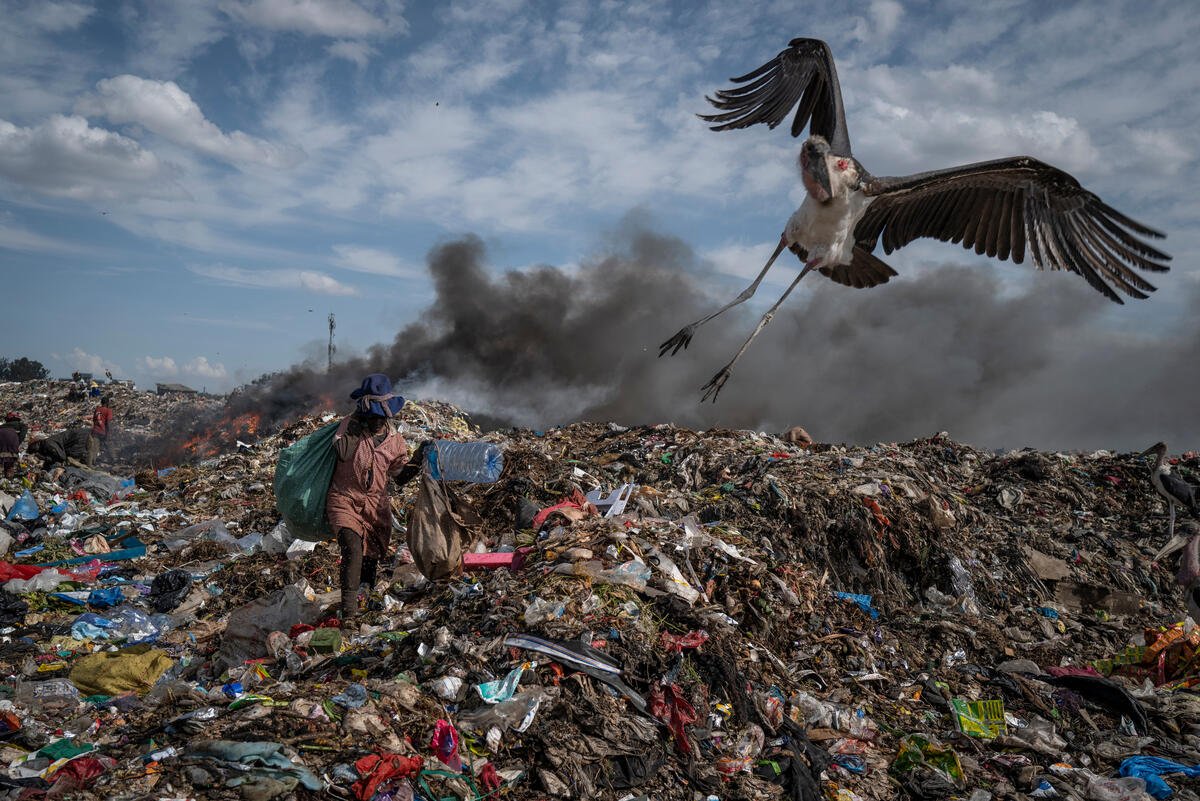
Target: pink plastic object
{"type": "Point", "coordinates": [513, 560]}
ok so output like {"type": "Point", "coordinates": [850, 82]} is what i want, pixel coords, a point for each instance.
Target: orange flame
{"type": "Point", "coordinates": [220, 436]}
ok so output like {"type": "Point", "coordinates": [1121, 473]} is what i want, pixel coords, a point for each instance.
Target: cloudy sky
{"type": "Point", "coordinates": [187, 189]}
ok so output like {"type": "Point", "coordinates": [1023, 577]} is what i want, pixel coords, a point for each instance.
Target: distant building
{"type": "Point", "coordinates": [174, 389]}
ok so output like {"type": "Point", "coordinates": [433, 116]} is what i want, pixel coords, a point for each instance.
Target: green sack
{"type": "Point", "coordinates": [302, 479]}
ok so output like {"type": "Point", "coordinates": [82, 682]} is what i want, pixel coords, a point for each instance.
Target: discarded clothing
{"type": "Point", "coordinates": [377, 769]}
{"type": "Point", "coordinates": [265, 758]}
{"type": "Point", "coordinates": [133, 669]}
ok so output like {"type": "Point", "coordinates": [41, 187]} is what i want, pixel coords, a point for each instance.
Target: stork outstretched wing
{"type": "Point", "coordinates": [803, 73]}
{"type": "Point", "coordinates": [1006, 206]}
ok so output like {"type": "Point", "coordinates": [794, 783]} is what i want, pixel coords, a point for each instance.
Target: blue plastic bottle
{"type": "Point", "coordinates": [476, 462]}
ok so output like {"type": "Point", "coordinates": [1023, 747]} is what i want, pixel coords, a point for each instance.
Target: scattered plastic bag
{"type": "Point", "coordinates": [168, 590]}
{"type": "Point", "coordinates": [540, 610]}
{"type": "Point", "coordinates": [44, 581]}
{"type": "Point", "coordinates": [209, 530]}
{"type": "Point", "coordinates": [672, 577]}
{"type": "Point", "coordinates": [25, 508]}
{"type": "Point", "coordinates": [353, 697]}
{"type": "Point", "coordinates": [246, 635]}
{"type": "Point", "coordinates": [493, 692]}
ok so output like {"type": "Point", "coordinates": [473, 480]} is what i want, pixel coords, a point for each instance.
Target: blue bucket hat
{"type": "Point", "coordinates": [375, 396]}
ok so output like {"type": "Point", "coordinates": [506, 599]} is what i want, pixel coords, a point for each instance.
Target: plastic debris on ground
{"type": "Point", "coordinates": [644, 612]}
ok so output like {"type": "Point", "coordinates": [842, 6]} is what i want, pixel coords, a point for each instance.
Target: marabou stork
{"type": "Point", "coordinates": [1172, 488]}
{"type": "Point", "coordinates": [1188, 575]}
{"type": "Point", "coordinates": [1003, 208]}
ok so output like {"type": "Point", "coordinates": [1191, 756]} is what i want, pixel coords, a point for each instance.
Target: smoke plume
{"type": "Point", "coordinates": [946, 350]}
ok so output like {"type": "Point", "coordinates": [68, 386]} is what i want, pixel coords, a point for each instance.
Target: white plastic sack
{"type": "Point", "coordinates": [46, 581]}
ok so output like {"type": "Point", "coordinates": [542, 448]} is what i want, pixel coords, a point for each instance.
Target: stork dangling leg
{"type": "Point", "coordinates": [684, 337]}
{"type": "Point", "coordinates": [713, 387]}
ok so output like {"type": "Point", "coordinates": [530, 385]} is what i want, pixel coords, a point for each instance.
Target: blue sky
{"type": "Point", "coordinates": [187, 189]}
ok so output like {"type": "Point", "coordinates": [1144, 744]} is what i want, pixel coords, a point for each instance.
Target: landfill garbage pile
{"type": "Point", "coordinates": [641, 613]}
{"type": "Point", "coordinates": [141, 418]}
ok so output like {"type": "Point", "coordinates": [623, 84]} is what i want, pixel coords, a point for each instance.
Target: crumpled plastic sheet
{"type": "Point", "coordinates": [168, 590]}
{"type": "Point", "coordinates": [353, 697]}
{"type": "Point", "coordinates": [1152, 769]}
{"type": "Point", "coordinates": [493, 692]}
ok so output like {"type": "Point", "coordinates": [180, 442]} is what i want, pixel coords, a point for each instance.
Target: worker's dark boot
{"type": "Point", "coordinates": [370, 566]}
{"type": "Point", "coordinates": [352, 561]}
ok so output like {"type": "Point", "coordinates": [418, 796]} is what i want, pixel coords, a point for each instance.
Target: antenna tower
{"type": "Point", "coordinates": [332, 325]}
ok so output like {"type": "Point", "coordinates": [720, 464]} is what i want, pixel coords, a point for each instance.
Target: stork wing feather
{"type": "Point", "coordinates": [1005, 207]}
{"type": "Point", "coordinates": [802, 76]}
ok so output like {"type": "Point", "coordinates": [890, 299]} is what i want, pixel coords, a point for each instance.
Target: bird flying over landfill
{"type": "Point", "coordinates": [1007, 208]}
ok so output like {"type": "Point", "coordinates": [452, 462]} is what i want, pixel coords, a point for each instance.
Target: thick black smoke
{"type": "Point", "coordinates": [948, 350]}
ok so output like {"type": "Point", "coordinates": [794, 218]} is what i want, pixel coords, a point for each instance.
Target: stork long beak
{"type": "Point", "coordinates": [1155, 448]}
{"type": "Point", "coordinates": [1189, 563]}
{"type": "Point", "coordinates": [1173, 545]}
{"type": "Point", "coordinates": [818, 171]}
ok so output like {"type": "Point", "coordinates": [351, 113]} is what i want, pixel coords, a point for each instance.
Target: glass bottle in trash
{"type": "Point", "coordinates": [476, 462]}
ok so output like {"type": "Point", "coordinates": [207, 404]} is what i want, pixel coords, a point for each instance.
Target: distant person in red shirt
{"type": "Point", "coordinates": [101, 424]}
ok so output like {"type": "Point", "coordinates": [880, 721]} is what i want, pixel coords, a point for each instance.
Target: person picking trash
{"type": "Point", "coordinates": [101, 427]}
{"type": "Point", "coordinates": [370, 451]}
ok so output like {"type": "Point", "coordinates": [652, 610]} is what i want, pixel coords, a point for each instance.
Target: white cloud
{"type": "Point", "coordinates": [930, 136]}
{"type": "Point", "coordinates": [56, 17]}
{"type": "Point", "coordinates": [880, 23]}
{"type": "Point", "coordinates": [202, 367]}
{"type": "Point", "coordinates": [370, 260]}
{"type": "Point", "coordinates": [356, 52]}
{"type": "Point", "coordinates": [335, 18]}
{"type": "Point", "coordinates": [170, 112]}
{"type": "Point", "coordinates": [167, 36]}
{"type": "Point", "coordinates": [159, 366]}
{"type": "Point", "coordinates": [308, 280]}
{"type": "Point", "coordinates": [84, 362]}
{"type": "Point", "coordinates": [65, 156]}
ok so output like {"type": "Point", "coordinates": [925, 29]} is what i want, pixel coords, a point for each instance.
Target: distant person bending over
{"type": "Point", "coordinates": [13, 420]}
{"type": "Point", "coordinates": [66, 447]}
{"type": "Point", "coordinates": [101, 422]}
{"type": "Point", "coordinates": [370, 451]}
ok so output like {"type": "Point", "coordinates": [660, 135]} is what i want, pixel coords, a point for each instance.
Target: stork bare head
{"type": "Point", "coordinates": [814, 168]}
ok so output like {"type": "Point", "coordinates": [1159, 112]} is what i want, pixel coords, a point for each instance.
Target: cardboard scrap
{"type": "Point", "coordinates": [1046, 567]}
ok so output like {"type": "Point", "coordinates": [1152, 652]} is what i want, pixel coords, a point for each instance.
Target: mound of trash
{"type": "Point", "coordinates": [642, 613]}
